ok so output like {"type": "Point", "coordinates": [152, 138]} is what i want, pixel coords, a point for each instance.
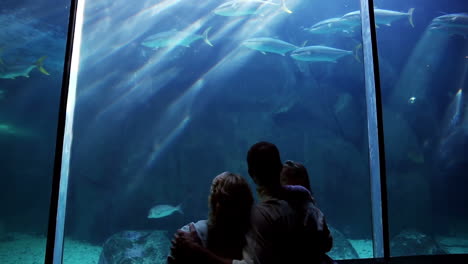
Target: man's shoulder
{"type": "Point", "coordinates": [272, 203]}
{"type": "Point", "coordinates": [272, 209]}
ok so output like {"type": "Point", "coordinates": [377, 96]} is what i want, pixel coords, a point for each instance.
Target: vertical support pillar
{"type": "Point", "coordinates": [378, 180]}
{"type": "Point", "coordinates": [57, 209]}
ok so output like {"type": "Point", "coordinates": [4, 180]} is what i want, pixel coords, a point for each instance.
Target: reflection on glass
{"type": "Point", "coordinates": [172, 93]}
{"type": "Point", "coordinates": [423, 62]}
{"type": "Point", "coordinates": [32, 49]}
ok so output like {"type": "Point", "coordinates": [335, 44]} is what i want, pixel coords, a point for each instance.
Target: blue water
{"type": "Point", "coordinates": [155, 126]}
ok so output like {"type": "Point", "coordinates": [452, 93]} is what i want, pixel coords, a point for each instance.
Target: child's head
{"type": "Point", "coordinates": [294, 173]}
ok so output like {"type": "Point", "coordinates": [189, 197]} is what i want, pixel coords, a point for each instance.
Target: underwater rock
{"type": "Point", "coordinates": [339, 176]}
{"type": "Point", "coordinates": [409, 196]}
{"type": "Point", "coordinates": [348, 115]}
{"type": "Point", "coordinates": [342, 248]}
{"type": "Point", "coordinates": [411, 242]}
{"type": "Point", "coordinates": [408, 149]}
{"type": "Point", "coordinates": [135, 247]}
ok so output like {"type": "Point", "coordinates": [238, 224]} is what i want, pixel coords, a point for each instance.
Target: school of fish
{"type": "Point", "coordinates": [348, 24]}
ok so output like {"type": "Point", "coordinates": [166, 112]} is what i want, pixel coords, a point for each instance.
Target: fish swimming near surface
{"type": "Point", "coordinates": [13, 71]}
{"type": "Point", "coordinates": [456, 24]}
{"type": "Point", "coordinates": [163, 210]}
{"type": "Point", "coordinates": [269, 45]}
{"type": "Point", "coordinates": [247, 7]}
{"type": "Point", "coordinates": [382, 17]}
{"type": "Point", "coordinates": [331, 25]}
{"type": "Point", "coordinates": [319, 53]}
{"type": "Point", "coordinates": [175, 38]}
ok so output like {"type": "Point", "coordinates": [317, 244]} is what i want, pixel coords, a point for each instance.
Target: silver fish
{"type": "Point", "coordinates": [175, 38]}
{"type": "Point", "coordinates": [163, 210]}
{"type": "Point", "coordinates": [269, 45]}
{"type": "Point", "coordinates": [382, 17]}
{"type": "Point", "coordinates": [13, 71]}
{"type": "Point", "coordinates": [460, 19]}
{"type": "Point", "coordinates": [331, 25]}
{"type": "Point", "coordinates": [247, 7]}
{"type": "Point", "coordinates": [456, 24]}
{"type": "Point", "coordinates": [319, 53]}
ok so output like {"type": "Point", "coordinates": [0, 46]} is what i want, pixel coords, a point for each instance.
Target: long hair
{"type": "Point", "coordinates": [230, 204]}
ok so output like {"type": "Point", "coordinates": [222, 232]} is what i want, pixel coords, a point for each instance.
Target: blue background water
{"type": "Point", "coordinates": [155, 126]}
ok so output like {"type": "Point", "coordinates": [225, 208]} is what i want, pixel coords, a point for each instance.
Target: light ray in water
{"type": "Point", "coordinates": [233, 61]}
{"type": "Point", "coordinates": [418, 72]}
{"type": "Point", "coordinates": [172, 124]}
{"type": "Point", "coordinates": [87, 92]}
{"type": "Point", "coordinates": [179, 109]}
{"type": "Point", "coordinates": [146, 72]}
{"type": "Point", "coordinates": [143, 88]}
{"type": "Point", "coordinates": [129, 94]}
{"type": "Point", "coordinates": [116, 41]}
{"type": "Point", "coordinates": [161, 143]}
{"type": "Point", "coordinates": [166, 134]}
{"type": "Point", "coordinates": [116, 17]}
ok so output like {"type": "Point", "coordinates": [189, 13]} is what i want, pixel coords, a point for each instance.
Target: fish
{"type": "Point", "coordinates": [163, 210]}
{"type": "Point", "coordinates": [7, 129]}
{"type": "Point", "coordinates": [455, 24]}
{"type": "Point", "coordinates": [13, 71]}
{"type": "Point", "coordinates": [319, 53]}
{"type": "Point", "coordinates": [270, 45]}
{"type": "Point", "coordinates": [247, 7]}
{"type": "Point", "coordinates": [382, 17]}
{"type": "Point", "coordinates": [331, 25]}
{"type": "Point", "coordinates": [175, 38]}
{"type": "Point", "coordinates": [459, 19]}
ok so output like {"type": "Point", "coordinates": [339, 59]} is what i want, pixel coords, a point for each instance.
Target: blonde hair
{"type": "Point", "coordinates": [230, 202]}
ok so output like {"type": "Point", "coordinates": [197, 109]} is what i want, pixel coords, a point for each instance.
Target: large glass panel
{"type": "Point", "coordinates": [32, 49]}
{"type": "Point", "coordinates": [423, 52]}
{"type": "Point", "coordinates": [172, 93]}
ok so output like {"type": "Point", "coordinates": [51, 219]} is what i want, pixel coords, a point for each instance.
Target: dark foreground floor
{"type": "Point", "coordinates": [441, 259]}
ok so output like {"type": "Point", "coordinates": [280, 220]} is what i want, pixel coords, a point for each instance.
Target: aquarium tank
{"type": "Point", "coordinates": [166, 94]}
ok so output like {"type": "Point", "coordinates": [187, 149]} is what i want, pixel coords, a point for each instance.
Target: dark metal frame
{"type": "Point", "coordinates": [53, 207]}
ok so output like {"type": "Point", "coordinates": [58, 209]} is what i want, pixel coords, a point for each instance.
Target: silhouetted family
{"type": "Point", "coordinates": [286, 226]}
